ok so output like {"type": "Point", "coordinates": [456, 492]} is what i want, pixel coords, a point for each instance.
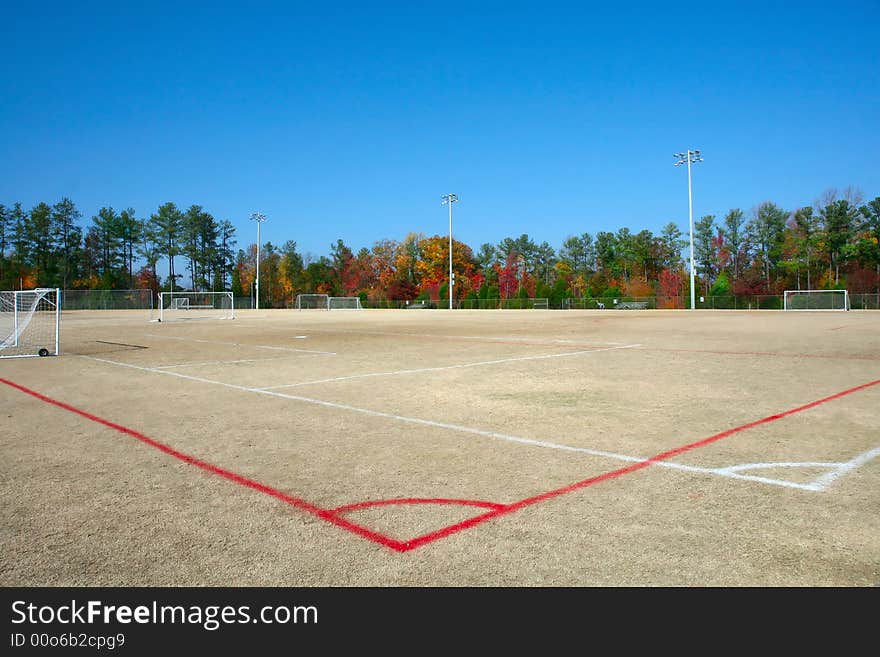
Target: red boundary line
{"type": "Point", "coordinates": [333, 515]}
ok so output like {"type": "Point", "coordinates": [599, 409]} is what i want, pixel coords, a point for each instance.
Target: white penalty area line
{"type": "Point", "coordinates": [731, 472]}
{"type": "Point", "coordinates": [239, 344]}
{"type": "Point", "coordinates": [447, 367]}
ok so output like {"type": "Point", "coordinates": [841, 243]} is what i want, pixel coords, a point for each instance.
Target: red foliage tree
{"type": "Point", "coordinates": [402, 289]}
{"type": "Point", "coordinates": [669, 283]}
{"type": "Point", "coordinates": [508, 276]}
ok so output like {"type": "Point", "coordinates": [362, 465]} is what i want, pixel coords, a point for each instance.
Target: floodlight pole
{"type": "Point", "coordinates": [690, 156]}
{"type": "Point", "coordinates": [259, 218]}
{"type": "Point", "coordinates": [449, 199]}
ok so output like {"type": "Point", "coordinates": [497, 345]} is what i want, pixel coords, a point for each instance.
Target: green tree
{"type": "Point", "coordinates": [148, 250]}
{"type": "Point", "coordinates": [105, 233]}
{"type": "Point", "coordinates": [545, 261]}
{"type": "Point", "coordinates": [606, 254]}
{"type": "Point", "coordinates": [840, 218]}
{"type": "Point", "coordinates": [199, 236]}
{"type": "Point", "coordinates": [625, 249]}
{"type": "Point", "coordinates": [704, 250]}
{"type": "Point", "coordinates": [225, 262]}
{"type": "Point", "coordinates": [40, 237]}
{"type": "Point", "coordinates": [579, 253]}
{"type": "Point", "coordinates": [343, 260]}
{"type": "Point", "coordinates": [868, 245]}
{"type": "Point", "coordinates": [69, 238]}
{"type": "Point", "coordinates": [291, 266]}
{"type": "Point", "coordinates": [21, 246]}
{"type": "Point", "coordinates": [805, 235]}
{"type": "Point", "coordinates": [735, 239]}
{"type": "Point", "coordinates": [670, 244]}
{"type": "Point", "coordinates": [271, 293]}
{"type": "Point", "coordinates": [644, 254]}
{"type": "Point", "coordinates": [166, 228]}
{"type": "Point", "coordinates": [5, 231]}
{"type": "Point", "coordinates": [319, 276]}
{"type": "Point", "coordinates": [129, 229]}
{"type": "Point", "coordinates": [766, 231]}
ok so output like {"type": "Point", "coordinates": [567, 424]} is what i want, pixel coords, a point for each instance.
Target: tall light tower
{"type": "Point", "coordinates": [259, 218]}
{"type": "Point", "coordinates": [690, 156]}
{"type": "Point", "coordinates": [449, 199]}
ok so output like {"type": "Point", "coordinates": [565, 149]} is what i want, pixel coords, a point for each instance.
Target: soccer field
{"type": "Point", "coordinates": [429, 447]}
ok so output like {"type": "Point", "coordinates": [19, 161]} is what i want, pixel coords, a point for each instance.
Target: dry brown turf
{"type": "Point", "coordinates": [85, 504]}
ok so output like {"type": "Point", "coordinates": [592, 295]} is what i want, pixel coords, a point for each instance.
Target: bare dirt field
{"type": "Point", "coordinates": [438, 448]}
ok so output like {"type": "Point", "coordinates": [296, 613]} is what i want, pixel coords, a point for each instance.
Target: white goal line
{"type": "Point", "coordinates": [730, 472]}
{"type": "Point", "coordinates": [446, 367]}
{"type": "Point", "coordinates": [241, 344]}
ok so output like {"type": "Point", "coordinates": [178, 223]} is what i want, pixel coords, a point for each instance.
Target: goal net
{"type": "Point", "coordinates": [195, 305]}
{"type": "Point", "coordinates": [30, 322]}
{"type": "Point", "coordinates": [312, 302]}
{"type": "Point", "coordinates": [816, 300]}
{"type": "Point", "coordinates": [344, 303]}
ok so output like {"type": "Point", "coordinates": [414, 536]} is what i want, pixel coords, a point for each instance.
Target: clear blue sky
{"type": "Point", "coordinates": [350, 120]}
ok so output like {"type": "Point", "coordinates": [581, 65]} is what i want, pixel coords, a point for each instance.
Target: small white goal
{"type": "Point", "coordinates": [816, 300]}
{"type": "Point", "coordinates": [195, 305]}
{"type": "Point", "coordinates": [344, 303]}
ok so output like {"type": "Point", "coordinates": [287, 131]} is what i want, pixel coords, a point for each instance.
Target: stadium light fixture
{"type": "Point", "coordinates": [689, 157]}
{"type": "Point", "coordinates": [449, 199]}
{"type": "Point", "coordinates": [259, 218]}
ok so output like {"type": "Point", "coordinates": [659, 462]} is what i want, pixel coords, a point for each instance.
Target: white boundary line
{"type": "Point", "coordinates": [446, 367]}
{"type": "Point", "coordinates": [529, 341]}
{"type": "Point", "coordinates": [239, 344]}
{"type": "Point", "coordinates": [219, 362]}
{"type": "Point", "coordinates": [730, 472]}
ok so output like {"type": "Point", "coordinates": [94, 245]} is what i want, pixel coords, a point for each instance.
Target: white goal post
{"type": "Point", "coordinates": [312, 302]}
{"type": "Point", "coordinates": [816, 300]}
{"type": "Point", "coordinates": [196, 305]}
{"type": "Point", "coordinates": [30, 323]}
{"type": "Point", "coordinates": [344, 303]}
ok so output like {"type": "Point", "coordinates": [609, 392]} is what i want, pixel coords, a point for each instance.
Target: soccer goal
{"type": "Point", "coordinates": [312, 302]}
{"type": "Point", "coordinates": [816, 300]}
{"type": "Point", "coordinates": [195, 305]}
{"type": "Point", "coordinates": [344, 303]}
{"type": "Point", "coordinates": [30, 323]}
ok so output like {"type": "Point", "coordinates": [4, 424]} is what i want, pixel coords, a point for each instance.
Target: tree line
{"type": "Point", "coordinates": [833, 243]}
{"type": "Point", "coordinates": [47, 247]}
